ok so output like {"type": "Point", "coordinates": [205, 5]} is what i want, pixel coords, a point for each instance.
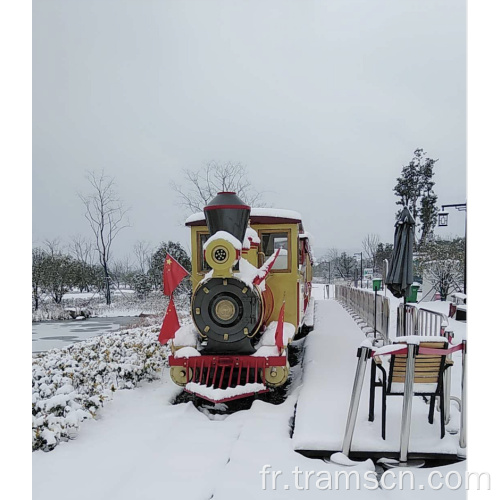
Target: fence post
{"type": "Point", "coordinates": [463, 413]}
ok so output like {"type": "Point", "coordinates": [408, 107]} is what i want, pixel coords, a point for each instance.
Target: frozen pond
{"type": "Point", "coordinates": [54, 334]}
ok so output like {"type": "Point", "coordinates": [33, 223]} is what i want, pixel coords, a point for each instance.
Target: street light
{"type": "Point", "coordinates": [442, 218]}
{"type": "Point", "coordinates": [361, 276]}
{"type": "Point", "coordinates": [443, 222]}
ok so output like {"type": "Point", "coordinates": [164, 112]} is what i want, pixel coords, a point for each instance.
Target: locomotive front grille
{"type": "Point", "coordinates": [219, 372]}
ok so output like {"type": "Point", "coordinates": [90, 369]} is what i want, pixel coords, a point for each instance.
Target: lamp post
{"type": "Point", "coordinates": [443, 222]}
{"type": "Point", "coordinates": [361, 275]}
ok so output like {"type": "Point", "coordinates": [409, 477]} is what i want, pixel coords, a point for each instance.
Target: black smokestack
{"type": "Point", "coordinates": [226, 212]}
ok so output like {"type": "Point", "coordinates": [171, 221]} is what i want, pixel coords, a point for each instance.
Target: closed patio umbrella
{"type": "Point", "coordinates": [400, 274]}
{"type": "Point", "coordinates": [399, 281]}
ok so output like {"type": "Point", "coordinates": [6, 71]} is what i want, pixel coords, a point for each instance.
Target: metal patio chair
{"type": "Point", "coordinates": [428, 379]}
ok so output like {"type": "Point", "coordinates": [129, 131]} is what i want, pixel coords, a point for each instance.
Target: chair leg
{"type": "Point", "coordinates": [384, 403]}
{"type": "Point", "coordinates": [371, 411]}
{"type": "Point", "coordinates": [432, 405]}
{"type": "Point", "coordinates": [441, 407]}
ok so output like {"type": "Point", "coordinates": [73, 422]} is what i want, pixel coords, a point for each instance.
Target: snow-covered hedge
{"type": "Point", "coordinates": [122, 305]}
{"type": "Point", "coordinates": [70, 384]}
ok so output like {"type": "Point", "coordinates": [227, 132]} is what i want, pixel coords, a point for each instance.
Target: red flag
{"type": "Point", "coordinates": [278, 337]}
{"type": "Point", "coordinates": [170, 324]}
{"type": "Point", "coordinates": [173, 274]}
{"type": "Point", "coordinates": [266, 268]}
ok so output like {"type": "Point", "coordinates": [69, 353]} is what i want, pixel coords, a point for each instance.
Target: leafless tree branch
{"type": "Point", "coordinates": [107, 217]}
{"type": "Point", "coordinates": [200, 186]}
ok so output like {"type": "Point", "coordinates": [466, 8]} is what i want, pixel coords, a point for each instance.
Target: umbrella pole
{"type": "Point", "coordinates": [404, 316]}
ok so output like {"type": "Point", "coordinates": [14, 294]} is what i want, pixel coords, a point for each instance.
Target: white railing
{"type": "Point", "coordinates": [420, 321]}
{"type": "Point", "coordinates": [406, 320]}
{"type": "Point", "coordinates": [362, 303]}
{"type": "Point", "coordinates": [424, 322]}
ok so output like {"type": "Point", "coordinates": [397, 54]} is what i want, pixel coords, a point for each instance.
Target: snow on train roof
{"type": "Point", "coordinates": [275, 213]}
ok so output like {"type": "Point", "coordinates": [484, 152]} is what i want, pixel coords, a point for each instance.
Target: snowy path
{"type": "Point", "coordinates": [329, 368]}
{"type": "Point", "coordinates": [144, 448]}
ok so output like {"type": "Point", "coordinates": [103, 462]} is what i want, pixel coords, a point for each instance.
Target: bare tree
{"type": "Point", "coordinates": [106, 216]}
{"type": "Point", "coordinates": [345, 265]}
{"type": "Point", "coordinates": [53, 246]}
{"type": "Point", "coordinates": [336, 264]}
{"type": "Point", "coordinates": [143, 252]}
{"type": "Point", "coordinates": [370, 246]}
{"type": "Point", "coordinates": [82, 250]}
{"type": "Point", "coordinates": [122, 272]}
{"type": "Point", "coordinates": [202, 185]}
{"type": "Point", "coordinates": [331, 263]}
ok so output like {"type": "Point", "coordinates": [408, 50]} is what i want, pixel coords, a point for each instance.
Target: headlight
{"type": "Point", "coordinates": [220, 256]}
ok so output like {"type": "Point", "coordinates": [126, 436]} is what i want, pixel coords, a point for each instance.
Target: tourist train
{"type": "Point", "coordinates": [251, 278]}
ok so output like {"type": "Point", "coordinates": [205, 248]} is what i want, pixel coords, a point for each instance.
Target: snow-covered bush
{"type": "Point", "coordinates": [122, 305]}
{"type": "Point", "coordinates": [70, 384]}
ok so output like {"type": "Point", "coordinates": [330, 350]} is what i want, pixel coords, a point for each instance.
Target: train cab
{"type": "Point", "coordinates": [269, 229]}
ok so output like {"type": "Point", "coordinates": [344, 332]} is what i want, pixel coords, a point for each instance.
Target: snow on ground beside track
{"type": "Point", "coordinates": [142, 447]}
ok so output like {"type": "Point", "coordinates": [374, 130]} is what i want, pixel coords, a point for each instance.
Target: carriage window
{"type": "Point", "coordinates": [271, 242]}
{"type": "Point", "coordinates": [302, 252]}
{"type": "Point", "coordinates": [203, 267]}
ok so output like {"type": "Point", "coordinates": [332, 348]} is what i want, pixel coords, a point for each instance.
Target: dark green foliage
{"type": "Point", "coordinates": [59, 275]}
{"type": "Point", "coordinates": [141, 283]}
{"type": "Point", "coordinates": [37, 272]}
{"type": "Point", "coordinates": [87, 276]}
{"type": "Point", "coordinates": [415, 190]}
{"type": "Point", "coordinates": [384, 251]}
{"type": "Point", "coordinates": [55, 274]}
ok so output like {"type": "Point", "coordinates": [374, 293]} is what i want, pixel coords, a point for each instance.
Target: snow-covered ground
{"type": "Point", "coordinates": [142, 447]}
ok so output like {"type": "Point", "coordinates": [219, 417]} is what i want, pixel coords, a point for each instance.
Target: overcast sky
{"type": "Point", "coordinates": [324, 102]}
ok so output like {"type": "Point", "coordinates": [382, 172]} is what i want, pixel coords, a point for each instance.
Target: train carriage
{"type": "Point", "coordinates": [248, 266]}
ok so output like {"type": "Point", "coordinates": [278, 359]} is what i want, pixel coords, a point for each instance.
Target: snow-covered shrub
{"type": "Point", "coordinates": [70, 384]}
{"type": "Point", "coordinates": [124, 304]}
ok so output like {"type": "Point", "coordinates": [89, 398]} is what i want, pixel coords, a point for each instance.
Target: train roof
{"type": "Point", "coordinates": [257, 216]}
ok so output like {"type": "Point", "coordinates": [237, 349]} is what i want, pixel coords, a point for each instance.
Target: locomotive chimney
{"type": "Point", "coordinates": [226, 212]}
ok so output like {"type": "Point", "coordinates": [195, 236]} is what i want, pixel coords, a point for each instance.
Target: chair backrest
{"type": "Point", "coordinates": [428, 367]}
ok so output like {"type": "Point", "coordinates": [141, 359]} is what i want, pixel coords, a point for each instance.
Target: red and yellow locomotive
{"type": "Point", "coordinates": [248, 266]}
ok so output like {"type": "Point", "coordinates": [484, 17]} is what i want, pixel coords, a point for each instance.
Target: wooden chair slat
{"type": "Point", "coordinates": [417, 380]}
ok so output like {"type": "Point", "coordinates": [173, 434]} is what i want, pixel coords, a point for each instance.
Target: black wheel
{"type": "Point", "coordinates": [295, 352]}
{"type": "Point", "coordinates": [303, 332]}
